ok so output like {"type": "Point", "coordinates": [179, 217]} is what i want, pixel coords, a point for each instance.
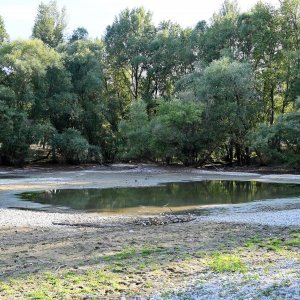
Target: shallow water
{"type": "Point", "coordinates": [179, 196]}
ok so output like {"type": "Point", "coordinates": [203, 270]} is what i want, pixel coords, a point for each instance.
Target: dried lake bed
{"type": "Point", "coordinates": [169, 261]}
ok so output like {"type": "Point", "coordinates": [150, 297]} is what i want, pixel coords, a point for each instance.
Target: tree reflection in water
{"type": "Point", "coordinates": [171, 194]}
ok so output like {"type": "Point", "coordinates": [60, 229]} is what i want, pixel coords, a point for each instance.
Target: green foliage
{"type": "Point", "coordinates": [176, 131]}
{"type": "Point", "coordinates": [221, 263]}
{"type": "Point", "coordinates": [127, 42]}
{"type": "Point", "coordinates": [3, 34]}
{"type": "Point", "coordinates": [79, 34]}
{"type": "Point", "coordinates": [278, 142]}
{"type": "Point", "coordinates": [50, 24]}
{"type": "Point", "coordinates": [73, 147]}
{"type": "Point", "coordinates": [16, 135]}
{"type": "Point", "coordinates": [235, 78]}
{"type": "Point", "coordinates": [83, 59]}
{"type": "Point", "coordinates": [212, 42]}
{"type": "Point", "coordinates": [171, 57]}
{"type": "Point", "coordinates": [135, 134]}
{"type": "Point", "coordinates": [226, 90]}
{"type": "Point", "coordinates": [24, 65]}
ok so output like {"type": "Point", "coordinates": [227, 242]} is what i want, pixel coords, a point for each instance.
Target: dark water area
{"type": "Point", "coordinates": [176, 195]}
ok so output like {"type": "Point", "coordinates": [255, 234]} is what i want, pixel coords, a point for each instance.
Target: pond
{"type": "Point", "coordinates": [178, 196]}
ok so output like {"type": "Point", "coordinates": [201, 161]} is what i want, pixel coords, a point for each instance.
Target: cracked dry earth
{"type": "Point", "coordinates": [127, 261]}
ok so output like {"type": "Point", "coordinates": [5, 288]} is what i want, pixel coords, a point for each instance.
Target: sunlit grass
{"type": "Point", "coordinates": [221, 263]}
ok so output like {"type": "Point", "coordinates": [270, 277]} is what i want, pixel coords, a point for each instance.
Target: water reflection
{"type": "Point", "coordinates": [172, 194]}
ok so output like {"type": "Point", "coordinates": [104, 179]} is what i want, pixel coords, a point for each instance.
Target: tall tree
{"type": "Point", "coordinates": [50, 24]}
{"type": "Point", "coordinates": [127, 43]}
{"type": "Point", "coordinates": [289, 22]}
{"type": "Point", "coordinates": [226, 88]}
{"type": "Point", "coordinates": [219, 38]}
{"type": "Point", "coordinates": [84, 59]}
{"type": "Point", "coordinates": [3, 33]}
{"type": "Point", "coordinates": [23, 80]}
{"type": "Point", "coordinates": [266, 55]}
{"type": "Point", "coordinates": [171, 56]}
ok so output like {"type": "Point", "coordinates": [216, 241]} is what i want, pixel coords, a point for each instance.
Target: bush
{"type": "Point", "coordinates": [16, 135]}
{"type": "Point", "coordinates": [279, 142]}
{"type": "Point", "coordinates": [176, 131]}
{"type": "Point", "coordinates": [72, 146]}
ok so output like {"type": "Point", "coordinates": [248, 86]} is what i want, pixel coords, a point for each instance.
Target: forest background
{"type": "Point", "coordinates": [226, 91]}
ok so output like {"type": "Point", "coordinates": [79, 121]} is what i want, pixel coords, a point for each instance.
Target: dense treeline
{"type": "Point", "coordinates": [226, 91]}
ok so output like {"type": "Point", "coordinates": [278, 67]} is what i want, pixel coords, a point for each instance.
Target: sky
{"type": "Point", "coordinates": [96, 15]}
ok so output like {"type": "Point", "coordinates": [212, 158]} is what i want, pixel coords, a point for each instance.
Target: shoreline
{"type": "Point", "coordinates": [18, 181]}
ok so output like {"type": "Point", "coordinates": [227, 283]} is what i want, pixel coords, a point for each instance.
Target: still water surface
{"type": "Point", "coordinates": [180, 196]}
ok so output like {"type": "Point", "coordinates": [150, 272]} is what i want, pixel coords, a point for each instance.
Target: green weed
{"type": "Point", "coordinates": [221, 263]}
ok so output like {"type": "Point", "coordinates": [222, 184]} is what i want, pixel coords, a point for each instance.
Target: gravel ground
{"type": "Point", "coordinates": [280, 282]}
{"type": "Point", "coordinates": [273, 213]}
{"type": "Point", "coordinates": [272, 218]}
{"type": "Point", "coordinates": [27, 218]}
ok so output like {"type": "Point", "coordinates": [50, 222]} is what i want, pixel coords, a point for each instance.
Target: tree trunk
{"type": "Point", "coordinates": [272, 105]}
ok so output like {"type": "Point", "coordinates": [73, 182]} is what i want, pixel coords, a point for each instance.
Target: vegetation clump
{"type": "Point", "coordinates": [221, 263]}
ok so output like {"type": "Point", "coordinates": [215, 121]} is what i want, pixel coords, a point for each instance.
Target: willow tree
{"type": "Point", "coordinates": [226, 89]}
{"type": "Point", "coordinates": [23, 76]}
{"type": "Point", "coordinates": [127, 43]}
{"type": "Point", "coordinates": [50, 24]}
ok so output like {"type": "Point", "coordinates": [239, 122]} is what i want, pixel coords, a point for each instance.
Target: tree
{"type": "Point", "coordinates": [278, 142]}
{"type": "Point", "coordinates": [16, 135]}
{"type": "Point", "coordinates": [127, 41]}
{"type": "Point", "coordinates": [73, 147]}
{"type": "Point", "coordinates": [176, 131]}
{"type": "Point", "coordinates": [289, 20]}
{"type": "Point", "coordinates": [219, 38]}
{"type": "Point", "coordinates": [50, 24]}
{"type": "Point", "coordinates": [23, 81]}
{"type": "Point", "coordinates": [170, 58]}
{"type": "Point", "coordinates": [24, 67]}
{"type": "Point", "coordinates": [134, 132]}
{"type": "Point", "coordinates": [3, 34]}
{"type": "Point", "coordinates": [226, 89]}
{"type": "Point", "coordinates": [79, 34]}
{"type": "Point", "coordinates": [84, 60]}
{"type": "Point", "coordinates": [266, 57]}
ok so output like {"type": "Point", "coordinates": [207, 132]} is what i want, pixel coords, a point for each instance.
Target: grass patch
{"type": "Point", "coordinates": [253, 241]}
{"type": "Point", "coordinates": [221, 263]}
{"type": "Point", "coordinates": [295, 239]}
{"type": "Point", "coordinates": [270, 244]}
{"type": "Point", "coordinates": [37, 295]}
{"type": "Point", "coordinates": [148, 250]}
{"type": "Point", "coordinates": [293, 243]}
{"type": "Point", "coordinates": [69, 285]}
{"type": "Point", "coordinates": [274, 244]}
{"type": "Point", "coordinates": [124, 254]}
